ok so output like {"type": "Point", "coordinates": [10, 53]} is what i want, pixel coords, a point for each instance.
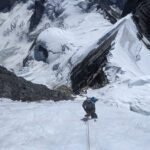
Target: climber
{"type": "Point", "coordinates": [89, 107]}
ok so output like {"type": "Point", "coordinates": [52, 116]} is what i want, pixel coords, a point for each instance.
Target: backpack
{"type": "Point", "coordinates": [89, 105]}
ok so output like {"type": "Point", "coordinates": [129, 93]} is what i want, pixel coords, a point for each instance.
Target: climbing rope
{"type": "Point", "coordinates": [88, 136]}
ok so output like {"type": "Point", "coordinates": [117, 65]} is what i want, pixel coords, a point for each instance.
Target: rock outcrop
{"type": "Point", "coordinates": [139, 8]}
{"type": "Point", "coordinates": [142, 18]}
{"type": "Point", "coordinates": [90, 72]}
{"type": "Point", "coordinates": [111, 8]}
{"type": "Point", "coordinates": [17, 88]}
{"type": "Point", "coordinates": [110, 13]}
{"type": "Point", "coordinates": [41, 53]}
{"type": "Point", "coordinates": [37, 15]}
{"type": "Point", "coordinates": [129, 7]}
{"type": "Point", "coordinates": [6, 5]}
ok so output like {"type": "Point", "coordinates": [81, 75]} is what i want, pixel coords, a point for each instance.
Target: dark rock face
{"type": "Point", "coordinates": [142, 18]}
{"type": "Point", "coordinates": [130, 6]}
{"type": "Point", "coordinates": [106, 6]}
{"type": "Point", "coordinates": [109, 13]}
{"type": "Point", "coordinates": [89, 73]}
{"type": "Point", "coordinates": [139, 8]}
{"type": "Point", "coordinates": [29, 57]}
{"type": "Point", "coordinates": [41, 54]}
{"type": "Point", "coordinates": [37, 15]}
{"type": "Point", "coordinates": [6, 5]}
{"type": "Point", "coordinates": [17, 88]}
{"type": "Point", "coordinates": [118, 3]}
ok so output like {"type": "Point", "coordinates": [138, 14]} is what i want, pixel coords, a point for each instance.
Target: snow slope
{"type": "Point", "coordinates": [129, 57]}
{"type": "Point", "coordinates": [57, 126]}
{"type": "Point", "coordinates": [14, 45]}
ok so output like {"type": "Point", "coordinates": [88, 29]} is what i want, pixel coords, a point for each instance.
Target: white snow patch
{"type": "Point", "coordinates": [129, 55]}
{"type": "Point", "coordinates": [14, 46]}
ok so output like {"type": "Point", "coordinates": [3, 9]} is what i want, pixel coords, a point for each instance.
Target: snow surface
{"type": "Point", "coordinates": [123, 107]}
{"type": "Point", "coordinates": [14, 45]}
{"type": "Point", "coordinates": [129, 54]}
{"type": "Point", "coordinates": [57, 126]}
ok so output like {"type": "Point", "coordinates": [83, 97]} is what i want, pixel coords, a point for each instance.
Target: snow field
{"type": "Point", "coordinates": [57, 126]}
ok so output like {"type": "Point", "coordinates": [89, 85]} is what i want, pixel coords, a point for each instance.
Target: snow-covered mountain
{"type": "Point", "coordinates": [73, 43]}
{"type": "Point", "coordinates": [67, 32]}
{"type": "Point", "coordinates": [94, 47]}
{"type": "Point", "coordinates": [55, 42]}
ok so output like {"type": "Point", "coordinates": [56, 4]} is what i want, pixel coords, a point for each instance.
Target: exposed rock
{"type": "Point", "coordinates": [56, 66]}
{"type": "Point", "coordinates": [142, 18]}
{"type": "Point", "coordinates": [29, 56]}
{"type": "Point", "coordinates": [111, 8]}
{"type": "Point", "coordinates": [130, 6]}
{"type": "Point", "coordinates": [17, 88]}
{"type": "Point", "coordinates": [6, 5]}
{"type": "Point", "coordinates": [41, 54]}
{"type": "Point", "coordinates": [65, 89]}
{"type": "Point", "coordinates": [140, 9]}
{"type": "Point", "coordinates": [37, 15]}
{"type": "Point", "coordinates": [90, 73]}
{"type": "Point", "coordinates": [106, 8]}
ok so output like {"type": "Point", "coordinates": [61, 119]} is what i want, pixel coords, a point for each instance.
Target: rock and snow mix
{"type": "Point", "coordinates": [14, 46]}
{"type": "Point", "coordinates": [124, 104]}
{"type": "Point", "coordinates": [68, 40]}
